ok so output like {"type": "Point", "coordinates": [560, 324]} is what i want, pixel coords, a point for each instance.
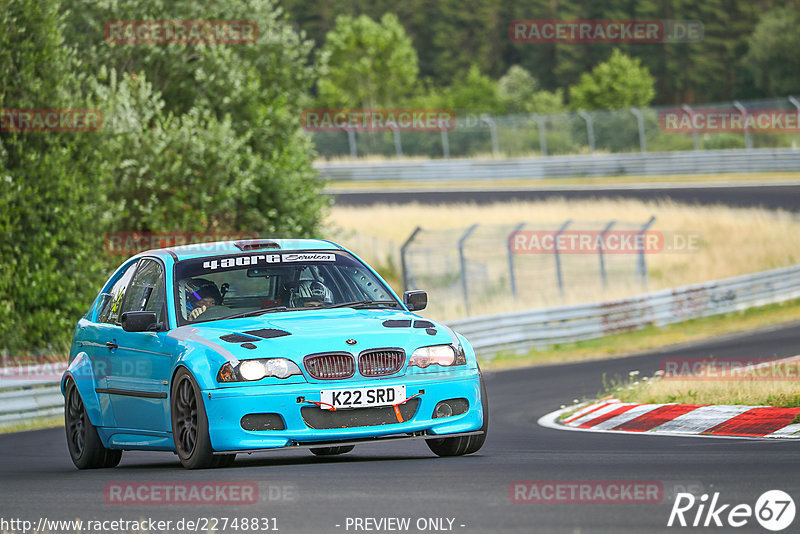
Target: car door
{"type": "Point", "coordinates": [140, 362]}
{"type": "Point", "coordinates": [97, 338]}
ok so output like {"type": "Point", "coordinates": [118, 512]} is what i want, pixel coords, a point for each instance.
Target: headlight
{"type": "Point", "coordinates": [251, 370]}
{"type": "Point", "coordinates": [444, 355]}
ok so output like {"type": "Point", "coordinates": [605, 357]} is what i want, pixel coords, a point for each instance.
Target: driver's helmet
{"type": "Point", "coordinates": [200, 288]}
{"type": "Point", "coordinates": [314, 291]}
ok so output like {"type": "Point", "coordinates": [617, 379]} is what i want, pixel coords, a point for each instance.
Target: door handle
{"type": "Point", "coordinates": [111, 345]}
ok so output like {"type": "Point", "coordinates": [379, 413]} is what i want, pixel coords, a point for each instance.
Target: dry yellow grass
{"type": "Point", "coordinates": [773, 387]}
{"type": "Point", "coordinates": [734, 241]}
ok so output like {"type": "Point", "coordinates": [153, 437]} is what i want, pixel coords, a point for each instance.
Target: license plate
{"type": "Point", "coordinates": [362, 397]}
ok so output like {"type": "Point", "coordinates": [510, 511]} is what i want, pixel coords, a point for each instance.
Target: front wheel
{"type": "Point", "coordinates": [85, 447]}
{"type": "Point", "coordinates": [463, 444]}
{"type": "Point", "coordinates": [190, 424]}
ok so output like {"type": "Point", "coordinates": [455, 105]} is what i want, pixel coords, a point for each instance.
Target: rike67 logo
{"type": "Point", "coordinates": [774, 510]}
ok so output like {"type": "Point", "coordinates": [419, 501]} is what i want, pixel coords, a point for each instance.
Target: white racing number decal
{"type": "Point", "coordinates": [251, 261]}
{"type": "Point", "coordinates": [241, 261]}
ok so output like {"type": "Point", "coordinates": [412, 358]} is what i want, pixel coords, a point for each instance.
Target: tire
{"type": "Point", "coordinates": [332, 451]}
{"type": "Point", "coordinates": [84, 445]}
{"type": "Point", "coordinates": [190, 423]}
{"type": "Point", "coordinates": [464, 444]}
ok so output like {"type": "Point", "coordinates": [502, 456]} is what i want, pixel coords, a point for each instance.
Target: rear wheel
{"type": "Point", "coordinates": [190, 423]}
{"type": "Point", "coordinates": [463, 444]}
{"type": "Point", "coordinates": [85, 447]}
{"type": "Point", "coordinates": [332, 451]}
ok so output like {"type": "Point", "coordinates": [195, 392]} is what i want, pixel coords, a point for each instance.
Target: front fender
{"type": "Point", "coordinates": [203, 363]}
{"type": "Point", "coordinates": [81, 372]}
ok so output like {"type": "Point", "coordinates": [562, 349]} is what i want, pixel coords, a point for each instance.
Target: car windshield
{"type": "Point", "coordinates": [250, 284]}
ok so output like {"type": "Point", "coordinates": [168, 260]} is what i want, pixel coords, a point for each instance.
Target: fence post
{"type": "Point", "coordinates": [403, 261]}
{"type": "Point", "coordinates": [464, 265]}
{"type": "Point", "coordinates": [601, 255]}
{"type": "Point", "coordinates": [641, 268]}
{"type": "Point", "coordinates": [695, 138]}
{"type": "Point", "coordinates": [748, 141]}
{"type": "Point", "coordinates": [351, 140]}
{"type": "Point", "coordinates": [640, 122]}
{"type": "Point", "coordinates": [558, 256]}
{"type": "Point", "coordinates": [542, 137]}
{"type": "Point", "coordinates": [796, 104]}
{"type": "Point", "coordinates": [445, 143]}
{"type": "Point", "coordinates": [493, 132]}
{"type": "Point", "coordinates": [512, 279]}
{"type": "Point", "coordinates": [398, 145]}
{"type": "Point", "coordinates": [589, 129]}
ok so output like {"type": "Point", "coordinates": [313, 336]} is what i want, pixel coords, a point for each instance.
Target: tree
{"type": "Point", "coordinates": [227, 128]}
{"type": "Point", "coordinates": [474, 92]}
{"type": "Point", "coordinates": [772, 55]}
{"type": "Point", "coordinates": [50, 246]}
{"type": "Point", "coordinates": [620, 82]}
{"type": "Point", "coordinates": [369, 64]}
{"type": "Point", "coordinates": [215, 145]}
{"type": "Point", "coordinates": [520, 93]}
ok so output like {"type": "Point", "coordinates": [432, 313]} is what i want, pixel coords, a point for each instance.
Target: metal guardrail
{"type": "Point", "coordinates": [30, 392]}
{"type": "Point", "coordinates": [21, 405]}
{"type": "Point", "coordinates": [631, 164]}
{"type": "Point", "coordinates": [518, 331]}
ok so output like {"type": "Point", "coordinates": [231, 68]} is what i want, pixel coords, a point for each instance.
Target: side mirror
{"type": "Point", "coordinates": [415, 300]}
{"type": "Point", "coordinates": [140, 321]}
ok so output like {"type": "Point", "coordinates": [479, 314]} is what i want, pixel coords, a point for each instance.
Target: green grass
{"type": "Point", "coordinates": [650, 338]}
{"type": "Point", "coordinates": [35, 424]}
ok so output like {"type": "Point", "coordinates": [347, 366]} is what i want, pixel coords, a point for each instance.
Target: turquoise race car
{"type": "Point", "coordinates": [215, 349]}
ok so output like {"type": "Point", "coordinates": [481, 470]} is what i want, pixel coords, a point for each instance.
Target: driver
{"type": "Point", "coordinates": [201, 294]}
{"type": "Point", "coordinates": [313, 293]}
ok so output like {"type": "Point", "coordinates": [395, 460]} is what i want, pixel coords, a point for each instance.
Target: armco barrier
{"type": "Point", "coordinates": [30, 391]}
{"type": "Point", "coordinates": [517, 331]}
{"type": "Point", "coordinates": [735, 161]}
{"type": "Point", "coordinates": [22, 400]}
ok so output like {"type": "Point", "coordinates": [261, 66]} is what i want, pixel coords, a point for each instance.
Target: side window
{"type": "Point", "coordinates": [147, 290]}
{"type": "Point", "coordinates": [110, 311]}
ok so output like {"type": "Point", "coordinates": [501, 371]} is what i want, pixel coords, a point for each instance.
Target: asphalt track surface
{"type": "Point", "coordinates": [783, 196]}
{"type": "Point", "coordinates": [307, 494]}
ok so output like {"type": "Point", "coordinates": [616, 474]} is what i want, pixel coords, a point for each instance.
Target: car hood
{"type": "Point", "coordinates": [296, 334]}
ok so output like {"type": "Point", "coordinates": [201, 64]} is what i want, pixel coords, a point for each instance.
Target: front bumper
{"type": "Point", "coordinates": [225, 408]}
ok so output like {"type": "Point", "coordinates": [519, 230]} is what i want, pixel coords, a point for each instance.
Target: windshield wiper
{"type": "Point", "coordinates": [362, 304]}
{"type": "Point", "coordinates": [256, 312]}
